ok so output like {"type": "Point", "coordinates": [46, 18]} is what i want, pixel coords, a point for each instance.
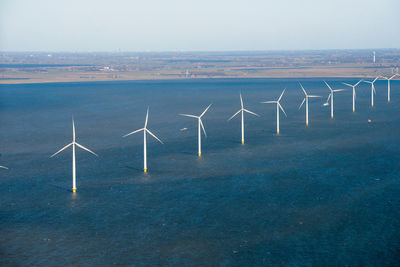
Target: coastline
{"type": "Point", "coordinates": [95, 77]}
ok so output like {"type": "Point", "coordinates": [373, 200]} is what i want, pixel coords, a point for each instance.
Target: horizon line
{"type": "Point", "coordinates": [191, 51]}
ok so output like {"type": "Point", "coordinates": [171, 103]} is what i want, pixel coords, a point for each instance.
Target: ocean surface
{"type": "Point", "coordinates": [323, 195]}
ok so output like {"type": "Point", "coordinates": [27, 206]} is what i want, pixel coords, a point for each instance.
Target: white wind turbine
{"type": "Point", "coordinates": [388, 80]}
{"type": "Point", "coordinates": [306, 100]}
{"type": "Point", "coordinates": [372, 89]}
{"type": "Point", "coordinates": [73, 144]}
{"type": "Point", "coordinates": [200, 125]}
{"type": "Point", "coordinates": [242, 110]}
{"type": "Point", "coordinates": [331, 96]}
{"type": "Point", "coordinates": [145, 130]}
{"type": "Point", "coordinates": [354, 93]}
{"type": "Point", "coordinates": [278, 106]}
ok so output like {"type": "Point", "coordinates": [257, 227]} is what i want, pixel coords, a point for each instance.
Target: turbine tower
{"type": "Point", "coordinates": [278, 106]}
{"type": "Point", "coordinates": [372, 89]}
{"type": "Point", "coordinates": [200, 125]}
{"type": "Point", "coordinates": [354, 93]}
{"type": "Point", "coordinates": [331, 96]}
{"type": "Point", "coordinates": [388, 80]}
{"type": "Point", "coordinates": [242, 110]}
{"type": "Point", "coordinates": [306, 100]}
{"type": "Point", "coordinates": [73, 144]}
{"type": "Point", "coordinates": [145, 130]}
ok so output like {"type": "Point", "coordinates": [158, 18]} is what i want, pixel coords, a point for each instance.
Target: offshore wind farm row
{"type": "Point", "coordinates": [241, 111]}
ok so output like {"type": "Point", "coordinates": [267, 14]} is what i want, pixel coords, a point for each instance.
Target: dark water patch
{"type": "Point", "coordinates": [326, 194]}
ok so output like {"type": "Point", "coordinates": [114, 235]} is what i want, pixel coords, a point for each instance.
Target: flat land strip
{"type": "Point", "coordinates": [25, 67]}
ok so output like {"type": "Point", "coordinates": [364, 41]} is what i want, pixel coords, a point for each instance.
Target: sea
{"type": "Point", "coordinates": [326, 194]}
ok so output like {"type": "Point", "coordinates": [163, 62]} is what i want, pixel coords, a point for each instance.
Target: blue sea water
{"type": "Point", "coordinates": [323, 195]}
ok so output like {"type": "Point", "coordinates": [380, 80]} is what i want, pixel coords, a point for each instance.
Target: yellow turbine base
{"type": "Point", "coordinates": [354, 110]}
{"type": "Point", "coordinates": [388, 100]}
{"type": "Point", "coordinates": [145, 170]}
{"type": "Point", "coordinates": [277, 132]}
{"type": "Point", "coordinates": [200, 154]}
{"type": "Point", "coordinates": [74, 190]}
{"type": "Point", "coordinates": [331, 116]}
{"type": "Point", "coordinates": [307, 123]}
{"type": "Point", "coordinates": [372, 105]}
{"type": "Point", "coordinates": [242, 142]}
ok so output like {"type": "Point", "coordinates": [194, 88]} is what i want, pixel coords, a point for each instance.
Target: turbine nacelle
{"type": "Point", "coordinates": [306, 95]}
{"type": "Point", "coordinates": [199, 118]}
{"type": "Point", "coordinates": [277, 102]}
{"type": "Point", "coordinates": [74, 143]}
{"type": "Point", "coordinates": [242, 109]}
{"type": "Point", "coordinates": [278, 107]}
{"type": "Point", "coordinates": [201, 126]}
{"type": "Point", "coordinates": [145, 129]}
{"type": "Point", "coordinates": [330, 96]}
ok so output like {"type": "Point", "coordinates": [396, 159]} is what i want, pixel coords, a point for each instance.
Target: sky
{"type": "Point", "coordinates": [206, 25]}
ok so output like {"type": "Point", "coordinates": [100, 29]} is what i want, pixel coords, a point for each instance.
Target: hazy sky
{"type": "Point", "coordinates": [170, 25]}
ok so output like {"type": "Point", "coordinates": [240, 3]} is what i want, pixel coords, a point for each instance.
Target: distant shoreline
{"type": "Point", "coordinates": [39, 68]}
{"type": "Point", "coordinates": [21, 81]}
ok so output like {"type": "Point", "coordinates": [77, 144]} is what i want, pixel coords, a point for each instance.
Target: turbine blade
{"type": "Point", "coordinates": [328, 85]}
{"type": "Point", "coordinates": [73, 129]}
{"type": "Point", "coordinates": [348, 84]}
{"type": "Point", "coordinates": [314, 96]}
{"type": "Point", "coordinates": [61, 150]}
{"type": "Point", "coordinates": [248, 111]}
{"type": "Point", "coordinates": [241, 100]}
{"type": "Point", "coordinates": [4, 167]}
{"type": "Point", "coordinates": [154, 136]}
{"type": "Point", "coordinates": [304, 99]}
{"type": "Point", "coordinates": [329, 96]}
{"type": "Point", "coordinates": [282, 109]}
{"type": "Point", "coordinates": [302, 88]}
{"type": "Point", "coordinates": [269, 102]}
{"type": "Point", "coordinates": [376, 79]}
{"type": "Point", "coordinates": [358, 83]}
{"type": "Point", "coordinates": [87, 149]}
{"type": "Point", "coordinates": [339, 90]}
{"type": "Point", "coordinates": [202, 126]}
{"type": "Point", "coordinates": [147, 118]}
{"type": "Point", "coordinates": [133, 132]}
{"type": "Point", "coordinates": [393, 76]}
{"type": "Point", "coordinates": [187, 115]}
{"type": "Point", "coordinates": [234, 115]}
{"type": "Point", "coordinates": [205, 110]}
{"type": "Point", "coordinates": [279, 99]}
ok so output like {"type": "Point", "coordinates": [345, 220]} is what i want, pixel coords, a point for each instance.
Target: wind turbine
{"type": "Point", "coordinates": [73, 144]}
{"type": "Point", "coordinates": [200, 125]}
{"type": "Point", "coordinates": [372, 89]}
{"type": "Point", "coordinates": [354, 93]}
{"type": "Point", "coordinates": [331, 96]}
{"type": "Point", "coordinates": [4, 167]}
{"type": "Point", "coordinates": [242, 110]}
{"type": "Point", "coordinates": [145, 130]}
{"type": "Point", "coordinates": [388, 80]}
{"type": "Point", "coordinates": [278, 106]}
{"type": "Point", "coordinates": [306, 100]}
